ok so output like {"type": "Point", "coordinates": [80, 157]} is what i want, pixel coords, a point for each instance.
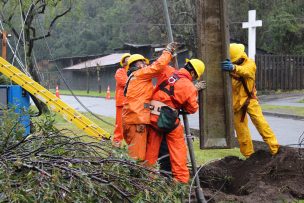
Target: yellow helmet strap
{"type": "Point", "coordinates": [132, 69]}
{"type": "Point", "coordinates": [124, 60]}
{"type": "Point", "coordinates": [188, 66]}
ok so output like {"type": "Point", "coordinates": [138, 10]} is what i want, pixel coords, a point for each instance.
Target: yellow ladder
{"type": "Point", "coordinates": [54, 103]}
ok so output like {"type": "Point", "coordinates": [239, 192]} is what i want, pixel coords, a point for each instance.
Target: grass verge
{"type": "Point", "coordinates": [277, 92]}
{"type": "Point", "coordinates": [202, 156]}
{"type": "Point", "coordinates": [60, 123]}
{"type": "Point", "coordinates": [290, 110]}
{"type": "Point", "coordinates": [84, 93]}
{"type": "Point", "coordinates": [207, 155]}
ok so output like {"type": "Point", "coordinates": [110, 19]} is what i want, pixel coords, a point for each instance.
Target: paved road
{"type": "Point", "coordinates": [288, 101]}
{"type": "Point", "coordinates": [99, 106]}
{"type": "Point", "coordinates": [286, 130]}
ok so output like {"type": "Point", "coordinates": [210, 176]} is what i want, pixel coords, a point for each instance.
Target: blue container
{"type": "Point", "coordinates": [19, 99]}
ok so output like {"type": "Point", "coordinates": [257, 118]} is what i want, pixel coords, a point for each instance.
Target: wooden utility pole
{"type": "Point", "coordinates": [216, 125]}
{"type": "Point", "coordinates": [88, 81]}
{"type": "Point", "coordinates": [88, 77]}
{"type": "Point", "coordinates": [4, 44]}
{"type": "Point", "coordinates": [98, 78]}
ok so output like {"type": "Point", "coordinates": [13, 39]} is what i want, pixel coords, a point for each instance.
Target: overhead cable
{"type": "Point", "coordinates": [62, 77]}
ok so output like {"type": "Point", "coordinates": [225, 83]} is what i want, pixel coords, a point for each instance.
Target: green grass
{"type": "Point", "coordinates": [269, 92]}
{"type": "Point", "coordinates": [202, 156]}
{"type": "Point", "coordinates": [207, 155]}
{"type": "Point", "coordinates": [301, 101]}
{"type": "Point", "coordinates": [291, 110]}
{"type": "Point", "coordinates": [84, 93]}
{"type": "Point", "coordinates": [63, 124]}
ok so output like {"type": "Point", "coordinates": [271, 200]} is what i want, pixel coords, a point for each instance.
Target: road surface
{"type": "Point", "coordinates": [287, 131]}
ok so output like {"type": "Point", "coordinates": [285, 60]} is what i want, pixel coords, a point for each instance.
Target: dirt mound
{"type": "Point", "coordinates": [260, 178]}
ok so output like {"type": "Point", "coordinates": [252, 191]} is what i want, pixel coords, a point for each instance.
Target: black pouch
{"type": "Point", "coordinates": [167, 118]}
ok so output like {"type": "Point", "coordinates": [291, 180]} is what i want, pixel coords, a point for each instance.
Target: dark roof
{"type": "Point", "coordinates": [107, 60]}
{"type": "Point", "coordinates": [76, 57]}
{"type": "Point", "coordinates": [128, 45]}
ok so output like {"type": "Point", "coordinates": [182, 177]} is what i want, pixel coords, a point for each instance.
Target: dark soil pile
{"type": "Point", "coordinates": [260, 178]}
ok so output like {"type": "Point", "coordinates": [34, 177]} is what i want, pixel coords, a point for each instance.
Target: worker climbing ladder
{"type": "Point", "coordinates": [54, 103]}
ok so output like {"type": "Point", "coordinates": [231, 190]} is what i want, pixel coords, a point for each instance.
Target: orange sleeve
{"type": "Point", "coordinates": [155, 68]}
{"type": "Point", "coordinates": [121, 77]}
{"type": "Point", "coordinates": [186, 94]}
{"type": "Point", "coordinates": [191, 105]}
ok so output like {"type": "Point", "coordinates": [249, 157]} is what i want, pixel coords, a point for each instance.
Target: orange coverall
{"type": "Point", "coordinates": [121, 79]}
{"type": "Point", "coordinates": [185, 96]}
{"type": "Point", "coordinates": [136, 107]}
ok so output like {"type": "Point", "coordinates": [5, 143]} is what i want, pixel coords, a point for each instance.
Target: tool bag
{"type": "Point", "coordinates": [168, 119]}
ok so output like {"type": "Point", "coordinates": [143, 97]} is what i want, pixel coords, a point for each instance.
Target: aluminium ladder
{"type": "Point", "coordinates": [54, 103]}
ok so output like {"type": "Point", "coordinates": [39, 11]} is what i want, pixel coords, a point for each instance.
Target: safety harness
{"type": "Point", "coordinates": [249, 94]}
{"type": "Point", "coordinates": [167, 116]}
{"type": "Point", "coordinates": [171, 81]}
{"type": "Point", "coordinates": [127, 84]}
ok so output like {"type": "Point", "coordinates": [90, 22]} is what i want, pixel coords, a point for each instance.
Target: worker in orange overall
{"type": "Point", "coordinates": [138, 93]}
{"type": "Point", "coordinates": [121, 79]}
{"type": "Point", "coordinates": [175, 92]}
{"type": "Point", "coordinates": [245, 101]}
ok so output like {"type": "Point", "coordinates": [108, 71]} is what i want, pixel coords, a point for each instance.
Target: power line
{"type": "Point", "coordinates": [22, 32]}
{"type": "Point", "coordinates": [11, 48]}
{"type": "Point", "coordinates": [173, 24]}
{"type": "Point", "coordinates": [60, 74]}
{"type": "Point", "coordinates": [273, 20]}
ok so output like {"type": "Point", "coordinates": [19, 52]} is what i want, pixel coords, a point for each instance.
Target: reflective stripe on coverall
{"type": "Point", "coordinates": [134, 113]}
{"type": "Point", "coordinates": [121, 79]}
{"type": "Point", "coordinates": [185, 96]}
{"type": "Point", "coordinates": [247, 70]}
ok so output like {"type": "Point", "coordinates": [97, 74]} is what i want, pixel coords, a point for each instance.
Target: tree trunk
{"type": "Point", "coordinates": [29, 44]}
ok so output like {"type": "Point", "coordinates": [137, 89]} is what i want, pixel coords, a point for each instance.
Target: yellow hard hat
{"type": "Point", "coordinates": [134, 58]}
{"type": "Point", "coordinates": [124, 56]}
{"type": "Point", "coordinates": [236, 51]}
{"type": "Point", "coordinates": [198, 66]}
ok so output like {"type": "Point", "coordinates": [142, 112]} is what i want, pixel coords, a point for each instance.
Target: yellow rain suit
{"type": "Point", "coordinates": [241, 100]}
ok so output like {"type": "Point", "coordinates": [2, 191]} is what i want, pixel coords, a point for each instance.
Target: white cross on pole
{"type": "Point", "coordinates": [251, 25]}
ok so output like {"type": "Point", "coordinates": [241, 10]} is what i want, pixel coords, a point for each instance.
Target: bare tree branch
{"type": "Point", "coordinates": [42, 7]}
{"type": "Point", "coordinates": [52, 23]}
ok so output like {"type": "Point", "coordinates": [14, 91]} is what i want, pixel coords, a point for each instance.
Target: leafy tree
{"type": "Point", "coordinates": [30, 11]}
{"type": "Point", "coordinates": [285, 28]}
{"type": "Point", "coordinates": [283, 24]}
{"type": "Point", "coordinates": [98, 27]}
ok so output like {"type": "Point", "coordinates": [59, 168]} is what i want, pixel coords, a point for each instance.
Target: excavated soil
{"type": "Point", "coordinates": [260, 178]}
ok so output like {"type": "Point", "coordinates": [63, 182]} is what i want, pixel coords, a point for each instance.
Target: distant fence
{"type": "Point", "coordinates": [276, 72]}
{"type": "Point", "coordinates": [81, 80]}
{"type": "Point", "coordinates": [273, 73]}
